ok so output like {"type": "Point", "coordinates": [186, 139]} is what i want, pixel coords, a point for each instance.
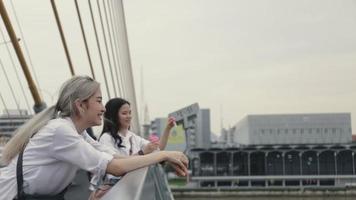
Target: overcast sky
{"type": "Point", "coordinates": [233, 57]}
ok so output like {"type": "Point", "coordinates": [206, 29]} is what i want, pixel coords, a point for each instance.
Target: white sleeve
{"type": "Point", "coordinates": [71, 147]}
{"type": "Point", "coordinates": [99, 145]}
{"type": "Point", "coordinates": [107, 140]}
{"type": "Point", "coordinates": [141, 141]}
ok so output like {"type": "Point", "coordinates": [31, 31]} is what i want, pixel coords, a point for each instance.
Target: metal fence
{"type": "Point", "coordinates": [148, 183]}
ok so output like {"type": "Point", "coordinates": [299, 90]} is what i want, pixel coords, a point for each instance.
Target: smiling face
{"type": "Point", "coordinates": [94, 109]}
{"type": "Point", "coordinates": [124, 117]}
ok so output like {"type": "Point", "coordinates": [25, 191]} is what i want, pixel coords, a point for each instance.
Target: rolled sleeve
{"type": "Point", "coordinates": [142, 141]}
{"type": "Point", "coordinates": [99, 146]}
{"type": "Point", "coordinates": [69, 146]}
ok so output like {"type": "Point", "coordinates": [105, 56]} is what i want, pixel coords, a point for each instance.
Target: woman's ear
{"type": "Point", "coordinates": [79, 107]}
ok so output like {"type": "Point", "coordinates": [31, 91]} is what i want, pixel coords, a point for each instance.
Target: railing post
{"type": "Point", "coordinates": [283, 168]}
{"type": "Point", "coordinates": [353, 163]}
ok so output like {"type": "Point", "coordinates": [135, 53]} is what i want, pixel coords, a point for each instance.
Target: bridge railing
{"type": "Point", "coordinates": [1, 149]}
{"type": "Point", "coordinates": [144, 183]}
{"type": "Point", "coordinates": [276, 181]}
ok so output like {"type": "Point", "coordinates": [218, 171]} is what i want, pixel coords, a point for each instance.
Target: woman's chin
{"type": "Point", "coordinates": [96, 123]}
{"type": "Point", "coordinates": [126, 126]}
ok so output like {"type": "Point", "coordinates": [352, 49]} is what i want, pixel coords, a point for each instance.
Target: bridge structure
{"type": "Point", "coordinates": [105, 42]}
{"type": "Point", "coordinates": [245, 166]}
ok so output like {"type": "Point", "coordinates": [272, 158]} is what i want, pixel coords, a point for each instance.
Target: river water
{"type": "Point", "coordinates": [269, 198]}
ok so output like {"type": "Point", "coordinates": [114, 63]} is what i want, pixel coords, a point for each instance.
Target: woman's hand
{"type": "Point", "coordinates": [150, 147]}
{"type": "Point", "coordinates": [171, 123]}
{"type": "Point", "coordinates": [100, 192]}
{"type": "Point", "coordinates": [120, 166]}
{"type": "Point", "coordinates": [164, 138]}
{"type": "Point", "coordinates": [178, 161]}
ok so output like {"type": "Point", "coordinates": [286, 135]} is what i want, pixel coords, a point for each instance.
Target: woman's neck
{"type": "Point", "coordinates": [123, 131]}
{"type": "Point", "coordinates": [79, 124]}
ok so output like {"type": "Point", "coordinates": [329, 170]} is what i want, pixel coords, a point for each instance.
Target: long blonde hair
{"type": "Point", "coordinates": [78, 87]}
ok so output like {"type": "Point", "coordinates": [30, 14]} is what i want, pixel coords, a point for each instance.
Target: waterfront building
{"type": "Point", "coordinates": [327, 128]}
{"type": "Point", "coordinates": [309, 150]}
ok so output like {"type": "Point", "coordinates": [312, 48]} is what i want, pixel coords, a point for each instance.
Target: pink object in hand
{"type": "Point", "coordinates": [153, 138]}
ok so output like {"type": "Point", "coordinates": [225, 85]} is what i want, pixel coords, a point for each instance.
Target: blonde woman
{"type": "Point", "coordinates": [45, 153]}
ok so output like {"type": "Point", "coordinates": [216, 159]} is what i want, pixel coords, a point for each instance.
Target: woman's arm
{"type": "Point", "coordinates": [118, 167]}
{"type": "Point", "coordinates": [105, 144]}
{"type": "Point", "coordinates": [164, 138]}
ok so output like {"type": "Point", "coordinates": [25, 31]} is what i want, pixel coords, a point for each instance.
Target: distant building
{"type": "Point", "coordinates": [176, 140]}
{"type": "Point", "coordinates": [196, 125]}
{"type": "Point", "coordinates": [199, 133]}
{"type": "Point", "coordinates": [226, 138]}
{"type": "Point", "coordinates": [200, 137]}
{"type": "Point", "coordinates": [329, 128]}
{"type": "Point", "coordinates": [284, 150]}
{"type": "Point", "coordinates": [158, 125]}
{"type": "Point", "coordinates": [10, 121]}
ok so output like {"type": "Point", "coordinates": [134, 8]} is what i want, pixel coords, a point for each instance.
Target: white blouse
{"type": "Point", "coordinates": [130, 141]}
{"type": "Point", "coordinates": [51, 159]}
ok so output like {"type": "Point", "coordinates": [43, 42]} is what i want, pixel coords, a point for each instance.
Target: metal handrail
{"type": "Point", "coordinates": [144, 183]}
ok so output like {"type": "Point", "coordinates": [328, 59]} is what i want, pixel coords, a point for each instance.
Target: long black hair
{"type": "Point", "coordinates": [111, 120]}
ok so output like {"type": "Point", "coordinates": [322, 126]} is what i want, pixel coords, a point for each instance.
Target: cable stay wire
{"type": "Point", "coordinates": [125, 58]}
{"type": "Point", "coordinates": [125, 53]}
{"type": "Point", "coordinates": [104, 35]}
{"type": "Point", "coordinates": [16, 73]}
{"type": "Point", "coordinates": [63, 39]}
{"type": "Point", "coordinates": [114, 49]}
{"type": "Point", "coordinates": [112, 17]}
{"type": "Point", "coordinates": [99, 49]}
{"type": "Point", "coordinates": [25, 45]}
{"type": "Point", "coordinates": [10, 87]}
{"type": "Point", "coordinates": [121, 72]}
{"type": "Point", "coordinates": [84, 38]}
{"type": "Point", "coordinates": [5, 107]}
{"type": "Point", "coordinates": [111, 46]}
{"type": "Point", "coordinates": [124, 73]}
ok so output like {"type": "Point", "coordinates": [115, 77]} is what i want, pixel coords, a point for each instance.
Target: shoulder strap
{"type": "Point", "coordinates": [131, 146]}
{"type": "Point", "coordinates": [19, 177]}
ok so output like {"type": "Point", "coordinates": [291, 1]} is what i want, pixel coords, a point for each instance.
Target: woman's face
{"type": "Point", "coordinates": [125, 116]}
{"type": "Point", "coordinates": [94, 109]}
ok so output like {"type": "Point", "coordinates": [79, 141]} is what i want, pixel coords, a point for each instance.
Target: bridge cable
{"type": "Point", "coordinates": [125, 75]}
{"type": "Point", "coordinates": [64, 43]}
{"type": "Point", "coordinates": [99, 49]}
{"type": "Point", "coordinates": [26, 47]}
{"type": "Point", "coordinates": [122, 65]}
{"type": "Point", "coordinates": [111, 45]}
{"type": "Point", "coordinates": [104, 35]}
{"type": "Point", "coordinates": [125, 53]}
{"type": "Point", "coordinates": [16, 73]}
{"type": "Point", "coordinates": [3, 102]}
{"type": "Point", "coordinates": [84, 38]}
{"type": "Point", "coordinates": [115, 35]}
{"type": "Point", "coordinates": [11, 89]}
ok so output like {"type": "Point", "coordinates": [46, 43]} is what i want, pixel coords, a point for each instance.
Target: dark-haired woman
{"type": "Point", "coordinates": [116, 131]}
{"type": "Point", "coordinates": [116, 134]}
